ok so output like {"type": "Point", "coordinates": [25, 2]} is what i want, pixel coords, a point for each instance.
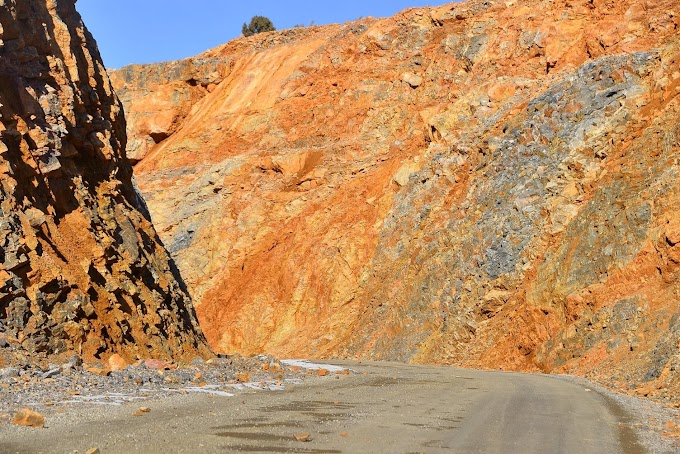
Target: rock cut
{"type": "Point", "coordinates": [489, 184]}
{"type": "Point", "coordinates": [81, 267]}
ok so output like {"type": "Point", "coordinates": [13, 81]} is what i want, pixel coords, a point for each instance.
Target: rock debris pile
{"type": "Point", "coordinates": [29, 394]}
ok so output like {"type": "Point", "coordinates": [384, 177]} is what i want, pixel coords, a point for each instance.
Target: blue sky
{"type": "Point", "coordinates": [148, 31]}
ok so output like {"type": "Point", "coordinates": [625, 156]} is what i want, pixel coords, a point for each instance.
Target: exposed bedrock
{"type": "Point", "coordinates": [81, 267]}
{"type": "Point", "coordinates": [490, 184]}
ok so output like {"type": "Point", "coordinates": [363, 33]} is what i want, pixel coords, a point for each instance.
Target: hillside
{"type": "Point", "coordinates": [82, 270]}
{"type": "Point", "coordinates": [490, 184]}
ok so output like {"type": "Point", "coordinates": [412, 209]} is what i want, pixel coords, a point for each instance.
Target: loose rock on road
{"type": "Point", "coordinates": [382, 407]}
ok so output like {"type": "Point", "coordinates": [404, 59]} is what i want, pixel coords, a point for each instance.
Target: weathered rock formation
{"type": "Point", "coordinates": [490, 183]}
{"type": "Point", "coordinates": [81, 267]}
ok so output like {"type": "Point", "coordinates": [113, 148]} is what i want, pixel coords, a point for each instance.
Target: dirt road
{"type": "Point", "coordinates": [381, 408]}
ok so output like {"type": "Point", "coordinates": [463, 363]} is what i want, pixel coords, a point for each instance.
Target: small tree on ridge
{"type": "Point", "coordinates": [258, 24]}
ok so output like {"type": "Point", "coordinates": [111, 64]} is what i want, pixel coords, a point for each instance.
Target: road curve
{"type": "Point", "coordinates": [382, 408]}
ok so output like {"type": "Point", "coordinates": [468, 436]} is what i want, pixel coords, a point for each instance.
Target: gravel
{"type": "Point", "coordinates": [58, 387]}
{"type": "Point", "coordinates": [647, 418]}
{"type": "Point", "coordinates": [59, 390]}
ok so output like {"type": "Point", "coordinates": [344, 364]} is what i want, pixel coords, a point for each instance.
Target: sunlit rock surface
{"type": "Point", "coordinates": [81, 268]}
{"type": "Point", "coordinates": [488, 184]}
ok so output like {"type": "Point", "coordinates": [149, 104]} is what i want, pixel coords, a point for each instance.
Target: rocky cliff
{"type": "Point", "coordinates": [489, 184]}
{"type": "Point", "coordinates": [81, 267]}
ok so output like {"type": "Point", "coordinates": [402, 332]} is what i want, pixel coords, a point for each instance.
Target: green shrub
{"type": "Point", "coordinates": [258, 24]}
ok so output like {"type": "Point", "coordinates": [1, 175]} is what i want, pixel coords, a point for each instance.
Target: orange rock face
{"type": "Point", "coordinates": [81, 267]}
{"type": "Point", "coordinates": [490, 184]}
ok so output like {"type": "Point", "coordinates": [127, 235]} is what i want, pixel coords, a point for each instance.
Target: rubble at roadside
{"type": "Point", "coordinates": [56, 387]}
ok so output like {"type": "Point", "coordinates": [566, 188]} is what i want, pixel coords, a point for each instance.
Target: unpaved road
{"type": "Point", "coordinates": [382, 408]}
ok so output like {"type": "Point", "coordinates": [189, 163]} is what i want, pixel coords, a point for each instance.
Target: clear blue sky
{"type": "Point", "coordinates": [148, 31]}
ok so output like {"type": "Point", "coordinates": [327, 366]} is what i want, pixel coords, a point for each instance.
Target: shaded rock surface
{"type": "Point", "coordinates": [81, 267]}
{"type": "Point", "coordinates": [489, 184]}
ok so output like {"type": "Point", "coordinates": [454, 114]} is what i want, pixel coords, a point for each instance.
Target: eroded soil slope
{"type": "Point", "coordinates": [81, 267]}
{"type": "Point", "coordinates": [490, 184]}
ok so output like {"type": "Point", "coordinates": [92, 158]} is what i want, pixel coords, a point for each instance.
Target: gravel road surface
{"type": "Point", "coordinates": [379, 408]}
